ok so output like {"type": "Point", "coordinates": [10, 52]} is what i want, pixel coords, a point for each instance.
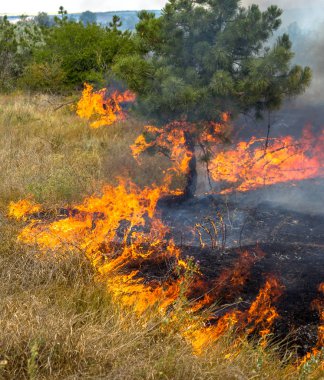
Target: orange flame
{"type": "Point", "coordinates": [169, 141]}
{"type": "Point", "coordinates": [101, 110]}
{"type": "Point", "coordinates": [261, 313]}
{"type": "Point", "coordinates": [258, 318]}
{"type": "Point", "coordinates": [249, 166]}
{"type": "Point", "coordinates": [318, 351]}
{"type": "Point", "coordinates": [118, 231]}
{"type": "Point", "coordinates": [319, 305]}
{"type": "Point", "coordinates": [202, 337]}
{"type": "Point", "coordinates": [21, 209]}
{"type": "Point", "coordinates": [229, 283]}
{"type": "Point", "coordinates": [121, 234]}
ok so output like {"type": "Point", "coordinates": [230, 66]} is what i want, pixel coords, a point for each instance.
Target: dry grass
{"type": "Point", "coordinates": [56, 322]}
{"type": "Point", "coordinates": [56, 157]}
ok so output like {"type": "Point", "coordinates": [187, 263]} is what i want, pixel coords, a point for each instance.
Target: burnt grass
{"type": "Point", "coordinates": [299, 269]}
{"type": "Point", "coordinates": [292, 244]}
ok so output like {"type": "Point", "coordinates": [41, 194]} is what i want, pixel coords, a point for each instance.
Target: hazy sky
{"type": "Point", "coordinates": [51, 6]}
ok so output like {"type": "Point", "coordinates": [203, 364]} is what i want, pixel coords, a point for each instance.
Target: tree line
{"type": "Point", "coordinates": [58, 54]}
{"type": "Point", "coordinates": [199, 58]}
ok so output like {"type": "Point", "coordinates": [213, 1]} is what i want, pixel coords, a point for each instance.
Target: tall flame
{"type": "Point", "coordinates": [118, 232]}
{"type": "Point", "coordinates": [122, 235]}
{"type": "Point", "coordinates": [101, 109]}
{"type": "Point", "coordinates": [169, 141]}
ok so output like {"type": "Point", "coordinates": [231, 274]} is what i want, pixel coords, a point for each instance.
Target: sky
{"type": "Point", "coordinates": [18, 7]}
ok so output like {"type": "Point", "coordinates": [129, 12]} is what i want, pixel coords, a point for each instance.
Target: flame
{"type": "Point", "coordinates": [119, 232]}
{"type": "Point", "coordinates": [249, 166]}
{"type": "Point", "coordinates": [101, 109]}
{"type": "Point", "coordinates": [319, 305]}
{"type": "Point", "coordinates": [258, 318]}
{"type": "Point", "coordinates": [122, 235]}
{"type": "Point", "coordinates": [170, 141]}
{"type": "Point", "coordinates": [21, 209]}
{"type": "Point", "coordinates": [228, 284]}
{"type": "Point", "coordinates": [202, 337]}
{"type": "Point", "coordinates": [246, 167]}
{"type": "Point", "coordinates": [261, 313]}
{"type": "Point", "coordinates": [317, 352]}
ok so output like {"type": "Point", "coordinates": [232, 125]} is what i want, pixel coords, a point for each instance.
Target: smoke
{"type": "Point", "coordinates": [286, 4]}
{"type": "Point", "coordinates": [304, 22]}
{"type": "Point", "coordinates": [309, 47]}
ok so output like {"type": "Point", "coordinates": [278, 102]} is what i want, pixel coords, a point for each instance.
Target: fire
{"type": "Point", "coordinates": [246, 167]}
{"type": "Point", "coordinates": [103, 110]}
{"type": "Point", "coordinates": [132, 292]}
{"type": "Point", "coordinates": [21, 209]}
{"type": "Point", "coordinates": [258, 318]}
{"type": "Point", "coordinates": [168, 141]}
{"type": "Point", "coordinates": [171, 141]}
{"type": "Point", "coordinates": [249, 166]}
{"type": "Point", "coordinates": [262, 313]}
{"type": "Point", "coordinates": [229, 283]}
{"type": "Point", "coordinates": [125, 240]}
{"type": "Point", "coordinates": [317, 352]}
{"type": "Point", "coordinates": [319, 305]}
{"type": "Point", "coordinates": [201, 338]}
{"type": "Point", "coordinates": [119, 232]}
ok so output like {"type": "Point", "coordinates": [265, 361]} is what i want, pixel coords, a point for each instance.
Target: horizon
{"type": "Point", "coordinates": [20, 7]}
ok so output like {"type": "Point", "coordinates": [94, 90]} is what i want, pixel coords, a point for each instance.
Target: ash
{"type": "Point", "coordinates": [286, 222]}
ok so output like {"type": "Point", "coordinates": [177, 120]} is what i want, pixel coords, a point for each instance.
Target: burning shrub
{"type": "Point", "coordinates": [100, 107]}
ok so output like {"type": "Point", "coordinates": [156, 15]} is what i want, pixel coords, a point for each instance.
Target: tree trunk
{"type": "Point", "coordinates": [191, 179]}
{"type": "Point", "coordinates": [268, 133]}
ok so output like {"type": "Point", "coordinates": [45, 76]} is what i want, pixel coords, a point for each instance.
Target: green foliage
{"type": "Point", "coordinates": [210, 56]}
{"type": "Point", "coordinates": [134, 71]}
{"type": "Point", "coordinates": [8, 48]}
{"type": "Point", "coordinates": [43, 76]}
{"type": "Point", "coordinates": [43, 20]}
{"type": "Point", "coordinates": [17, 42]}
{"type": "Point", "coordinates": [115, 23]}
{"type": "Point", "coordinates": [62, 16]}
{"type": "Point", "coordinates": [80, 52]}
{"type": "Point", "coordinates": [60, 55]}
{"type": "Point", "coordinates": [32, 362]}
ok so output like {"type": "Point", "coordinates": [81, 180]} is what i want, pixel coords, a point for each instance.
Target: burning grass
{"type": "Point", "coordinates": [74, 304]}
{"type": "Point", "coordinates": [57, 323]}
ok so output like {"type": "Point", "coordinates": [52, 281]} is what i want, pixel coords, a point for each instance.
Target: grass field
{"type": "Point", "coordinates": [56, 321]}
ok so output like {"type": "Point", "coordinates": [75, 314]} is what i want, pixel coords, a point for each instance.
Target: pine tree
{"type": "Point", "coordinates": [202, 58]}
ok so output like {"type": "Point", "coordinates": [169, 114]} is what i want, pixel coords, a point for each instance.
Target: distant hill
{"type": "Point", "coordinates": [129, 18]}
{"type": "Point", "coordinates": [307, 19]}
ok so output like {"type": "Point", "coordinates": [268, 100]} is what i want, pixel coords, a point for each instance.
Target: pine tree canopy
{"type": "Point", "coordinates": [204, 57]}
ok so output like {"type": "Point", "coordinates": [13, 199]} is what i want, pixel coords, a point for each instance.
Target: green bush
{"type": "Point", "coordinates": [43, 76]}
